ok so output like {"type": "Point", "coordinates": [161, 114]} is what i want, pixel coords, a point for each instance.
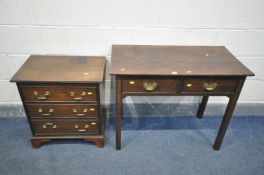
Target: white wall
{"type": "Point", "coordinates": [90, 27]}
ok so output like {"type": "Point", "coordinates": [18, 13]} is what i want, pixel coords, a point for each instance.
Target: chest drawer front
{"type": "Point", "coordinates": [61, 110]}
{"type": "Point", "coordinates": [59, 93]}
{"type": "Point", "coordinates": [209, 85]}
{"type": "Point", "coordinates": [149, 86]}
{"type": "Point", "coordinates": [57, 127]}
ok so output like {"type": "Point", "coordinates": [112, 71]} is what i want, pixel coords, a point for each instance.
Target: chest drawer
{"type": "Point", "coordinates": [59, 93]}
{"type": "Point", "coordinates": [150, 85]}
{"type": "Point", "coordinates": [62, 110]}
{"type": "Point", "coordinates": [209, 85]}
{"type": "Point", "coordinates": [49, 127]}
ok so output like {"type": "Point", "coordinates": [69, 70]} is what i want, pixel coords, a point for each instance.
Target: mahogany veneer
{"type": "Point", "coordinates": [177, 70]}
{"type": "Point", "coordinates": [61, 97]}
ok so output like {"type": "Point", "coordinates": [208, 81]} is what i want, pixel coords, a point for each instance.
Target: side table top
{"type": "Point", "coordinates": [175, 61]}
{"type": "Point", "coordinates": [67, 69]}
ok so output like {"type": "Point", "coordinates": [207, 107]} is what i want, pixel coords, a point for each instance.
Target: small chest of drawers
{"type": "Point", "coordinates": [61, 97]}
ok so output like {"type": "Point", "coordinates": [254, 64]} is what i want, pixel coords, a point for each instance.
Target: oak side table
{"type": "Point", "coordinates": [61, 97]}
{"type": "Point", "coordinates": [177, 70]}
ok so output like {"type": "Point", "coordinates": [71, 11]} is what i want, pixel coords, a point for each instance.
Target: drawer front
{"type": "Point", "coordinates": [61, 110]}
{"type": "Point", "coordinates": [150, 85]}
{"type": "Point", "coordinates": [46, 127]}
{"type": "Point", "coordinates": [59, 93]}
{"type": "Point", "coordinates": [209, 85]}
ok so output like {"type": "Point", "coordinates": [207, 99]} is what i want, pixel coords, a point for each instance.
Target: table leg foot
{"type": "Point", "coordinates": [98, 141]}
{"type": "Point", "coordinates": [118, 147]}
{"type": "Point", "coordinates": [216, 147]}
{"type": "Point", "coordinates": [36, 142]}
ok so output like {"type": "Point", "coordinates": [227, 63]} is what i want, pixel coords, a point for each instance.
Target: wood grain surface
{"type": "Point", "coordinates": [69, 69]}
{"type": "Point", "coordinates": [175, 61]}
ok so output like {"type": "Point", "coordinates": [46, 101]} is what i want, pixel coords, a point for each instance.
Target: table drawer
{"type": "Point", "coordinates": [59, 93]}
{"type": "Point", "coordinates": [150, 85]}
{"type": "Point", "coordinates": [208, 85]}
{"type": "Point", "coordinates": [46, 127]}
{"type": "Point", "coordinates": [62, 110]}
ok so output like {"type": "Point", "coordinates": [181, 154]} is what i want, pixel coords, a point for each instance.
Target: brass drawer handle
{"type": "Point", "coordinates": [150, 86]}
{"type": "Point", "coordinates": [50, 111]}
{"type": "Point", "coordinates": [49, 124]}
{"type": "Point", "coordinates": [41, 97]}
{"type": "Point", "coordinates": [131, 82]}
{"type": "Point", "coordinates": [79, 114]}
{"type": "Point", "coordinates": [76, 126]}
{"type": "Point", "coordinates": [209, 86]}
{"type": "Point", "coordinates": [81, 130]}
{"type": "Point", "coordinates": [72, 94]}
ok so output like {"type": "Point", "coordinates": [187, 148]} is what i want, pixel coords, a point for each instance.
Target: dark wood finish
{"type": "Point", "coordinates": [59, 93]}
{"type": "Point", "coordinates": [137, 85]}
{"type": "Point", "coordinates": [98, 139]}
{"type": "Point", "coordinates": [67, 69]}
{"type": "Point", "coordinates": [99, 142]}
{"type": "Point", "coordinates": [202, 106]}
{"type": "Point", "coordinates": [59, 105]}
{"type": "Point", "coordinates": [197, 85]}
{"type": "Point", "coordinates": [175, 61]}
{"type": "Point", "coordinates": [64, 127]}
{"type": "Point", "coordinates": [37, 142]}
{"type": "Point", "coordinates": [62, 110]}
{"type": "Point", "coordinates": [178, 70]}
{"type": "Point", "coordinates": [119, 112]}
{"type": "Point", "coordinates": [227, 116]}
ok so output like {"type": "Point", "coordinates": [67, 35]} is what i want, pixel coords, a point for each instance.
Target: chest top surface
{"type": "Point", "coordinates": [175, 61]}
{"type": "Point", "coordinates": [68, 69]}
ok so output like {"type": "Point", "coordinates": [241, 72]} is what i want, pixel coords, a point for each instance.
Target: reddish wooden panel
{"type": "Point", "coordinates": [47, 110]}
{"type": "Point", "coordinates": [149, 85]}
{"type": "Point", "coordinates": [59, 93]}
{"type": "Point", "coordinates": [67, 69]}
{"type": "Point", "coordinates": [175, 61]}
{"type": "Point", "coordinates": [209, 85]}
{"type": "Point", "coordinates": [46, 127]}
